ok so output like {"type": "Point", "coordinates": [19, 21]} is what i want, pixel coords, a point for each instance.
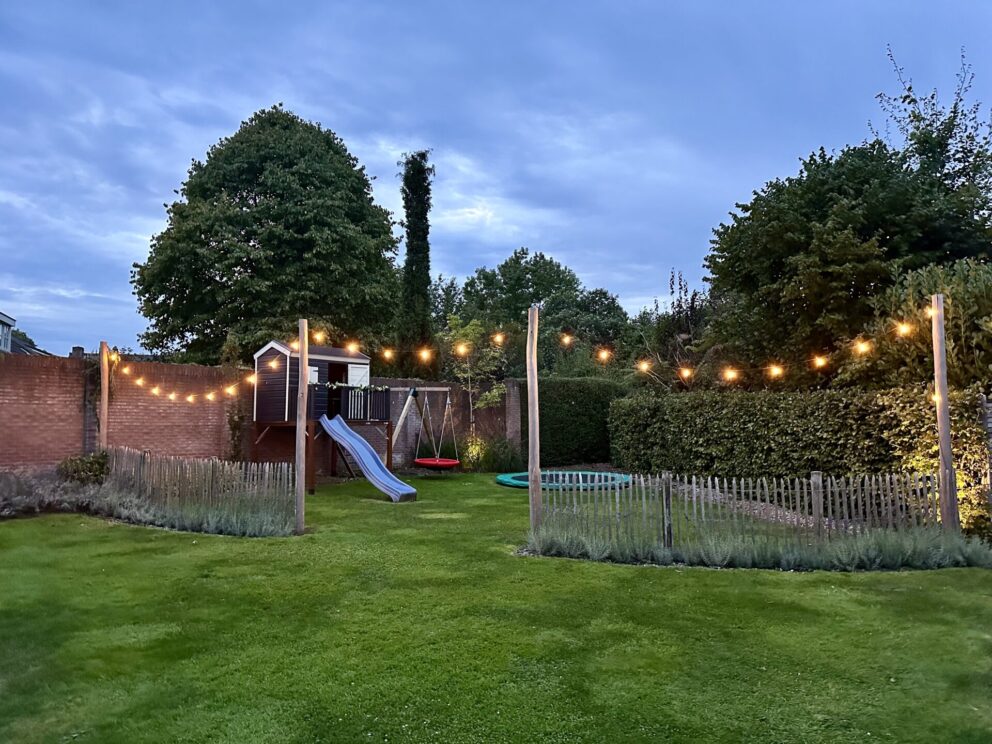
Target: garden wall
{"type": "Point", "coordinates": [144, 421]}
{"type": "Point", "coordinates": [48, 409]}
{"type": "Point", "coordinates": [42, 417]}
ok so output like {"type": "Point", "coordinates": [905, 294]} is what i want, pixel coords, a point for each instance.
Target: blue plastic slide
{"type": "Point", "coordinates": [368, 460]}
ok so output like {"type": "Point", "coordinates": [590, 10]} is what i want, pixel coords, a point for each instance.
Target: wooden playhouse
{"type": "Point", "coordinates": [339, 385]}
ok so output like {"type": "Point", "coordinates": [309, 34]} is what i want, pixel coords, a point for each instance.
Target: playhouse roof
{"type": "Point", "coordinates": [329, 353]}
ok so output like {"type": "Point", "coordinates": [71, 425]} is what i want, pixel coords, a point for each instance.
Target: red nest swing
{"type": "Point", "coordinates": [437, 462]}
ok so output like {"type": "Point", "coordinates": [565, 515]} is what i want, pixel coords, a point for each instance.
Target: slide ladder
{"type": "Point", "coordinates": [368, 459]}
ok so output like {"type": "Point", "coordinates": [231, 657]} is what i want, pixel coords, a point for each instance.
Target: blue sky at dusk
{"type": "Point", "coordinates": [611, 135]}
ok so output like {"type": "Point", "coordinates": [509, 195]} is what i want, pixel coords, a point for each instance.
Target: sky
{"type": "Point", "coordinates": [613, 136]}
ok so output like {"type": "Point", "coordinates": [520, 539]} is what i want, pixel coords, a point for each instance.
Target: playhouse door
{"type": "Point", "coordinates": [358, 375]}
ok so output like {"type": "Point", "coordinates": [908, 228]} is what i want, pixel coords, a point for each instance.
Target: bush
{"type": "Point", "coordinates": [187, 506]}
{"type": "Point", "coordinates": [574, 414]}
{"type": "Point", "coordinates": [769, 434]}
{"type": "Point", "coordinates": [29, 492]}
{"type": "Point", "coordinates": [86, 469]}
{"type": "Point", "coordinates": [490, 456]}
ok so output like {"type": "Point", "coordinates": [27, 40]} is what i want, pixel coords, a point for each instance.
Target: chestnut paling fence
{"type": "Point", "coordinates": [678, 511]}
{"type": "Point", "coordinates": [210, 495]}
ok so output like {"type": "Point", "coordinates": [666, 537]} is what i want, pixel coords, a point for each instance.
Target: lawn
{"type": "Point", "coordinates": [416, 622]}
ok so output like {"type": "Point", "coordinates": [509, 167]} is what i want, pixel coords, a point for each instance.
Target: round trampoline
{"type": "Point", "coordinates": [567, 480]}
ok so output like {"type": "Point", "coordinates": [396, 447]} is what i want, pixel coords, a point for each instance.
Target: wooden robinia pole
{"type": "Point", "coordinates": [301, 426]}
{"type": "Point", "coordinates": [104, 394]}
{"type": "Point", "coordinates": [533, 423]}
{"type": "Point", "coordinates": [949, 516]}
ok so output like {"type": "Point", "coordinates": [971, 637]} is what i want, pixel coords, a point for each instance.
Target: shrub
{"type": "Point", "coordinates": [183, 506]}
{"type": "Point", "coordinates": [574, 413]}
{"type": "Point", "coordinates": [491, 456]}
{"type": "Point", "coordinates": [918, 548]}
{"type": "Point", "coordinates": [758, 434]}
{"type": "Point", "coordinates": [85, 469]}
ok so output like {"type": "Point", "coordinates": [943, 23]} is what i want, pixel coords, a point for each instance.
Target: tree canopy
{"type": "Point", "coordinates": [900, 332]}
{"type": "Point", "coordinates": [276, 224]}
{"type": "Point", "coordinates": [502, 295]}
{"type": "Point", "coordinates": [796, 268]}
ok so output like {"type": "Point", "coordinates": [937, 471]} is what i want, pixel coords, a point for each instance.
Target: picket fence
{"type": "Point", "coordinates": [676, 510]}
{"type": "Point", "coordinates": [217, 495]}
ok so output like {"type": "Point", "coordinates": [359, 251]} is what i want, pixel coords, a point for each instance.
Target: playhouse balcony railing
{"type": "Point", "coordinates": [356, 404]}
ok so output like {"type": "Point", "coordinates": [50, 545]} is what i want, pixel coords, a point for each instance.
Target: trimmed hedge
{"type": "Point", "coordinates": [753, 434]}
{"type": "Point", "coordinates": [574, 413]}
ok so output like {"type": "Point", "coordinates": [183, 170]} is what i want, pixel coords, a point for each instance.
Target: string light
{"type": "Point", "coordinates": [294, 345]}
{"type": "Point", "coordinates": [861, 347]}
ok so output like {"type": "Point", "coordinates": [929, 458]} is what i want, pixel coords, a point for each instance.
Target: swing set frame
{"type": "Point", "coordinates": [426, 422]}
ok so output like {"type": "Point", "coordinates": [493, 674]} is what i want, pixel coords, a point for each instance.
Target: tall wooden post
{"type": "Point", "coordinates": [104, 394]}
{"type": "Point", "coordinates": [533, 423]}
{"type": "Point", "coordinates": [948, 481]}
{"type": "Point", "coordinates": [301, 426]}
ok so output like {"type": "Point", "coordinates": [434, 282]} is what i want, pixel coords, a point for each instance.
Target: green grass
{"type": "Point", "coordinates": [416, 622]}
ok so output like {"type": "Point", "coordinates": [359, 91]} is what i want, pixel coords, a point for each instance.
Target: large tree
{"type": "Point", "coordinates": [796, 268]}
{"type": "Point", "coordinates": [446, 300]}
{"type": "Point", "coordinates": [276, 224]}
{"type": "Point", "coordinates": [501, 296]}
{"type": "Point", "coordinates": [414, 319]}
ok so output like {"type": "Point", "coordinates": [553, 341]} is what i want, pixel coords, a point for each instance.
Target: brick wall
{"type": "Point", "coordinates": [140, 419]}
{"type": "Point", "coordinates": [41, 409]}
